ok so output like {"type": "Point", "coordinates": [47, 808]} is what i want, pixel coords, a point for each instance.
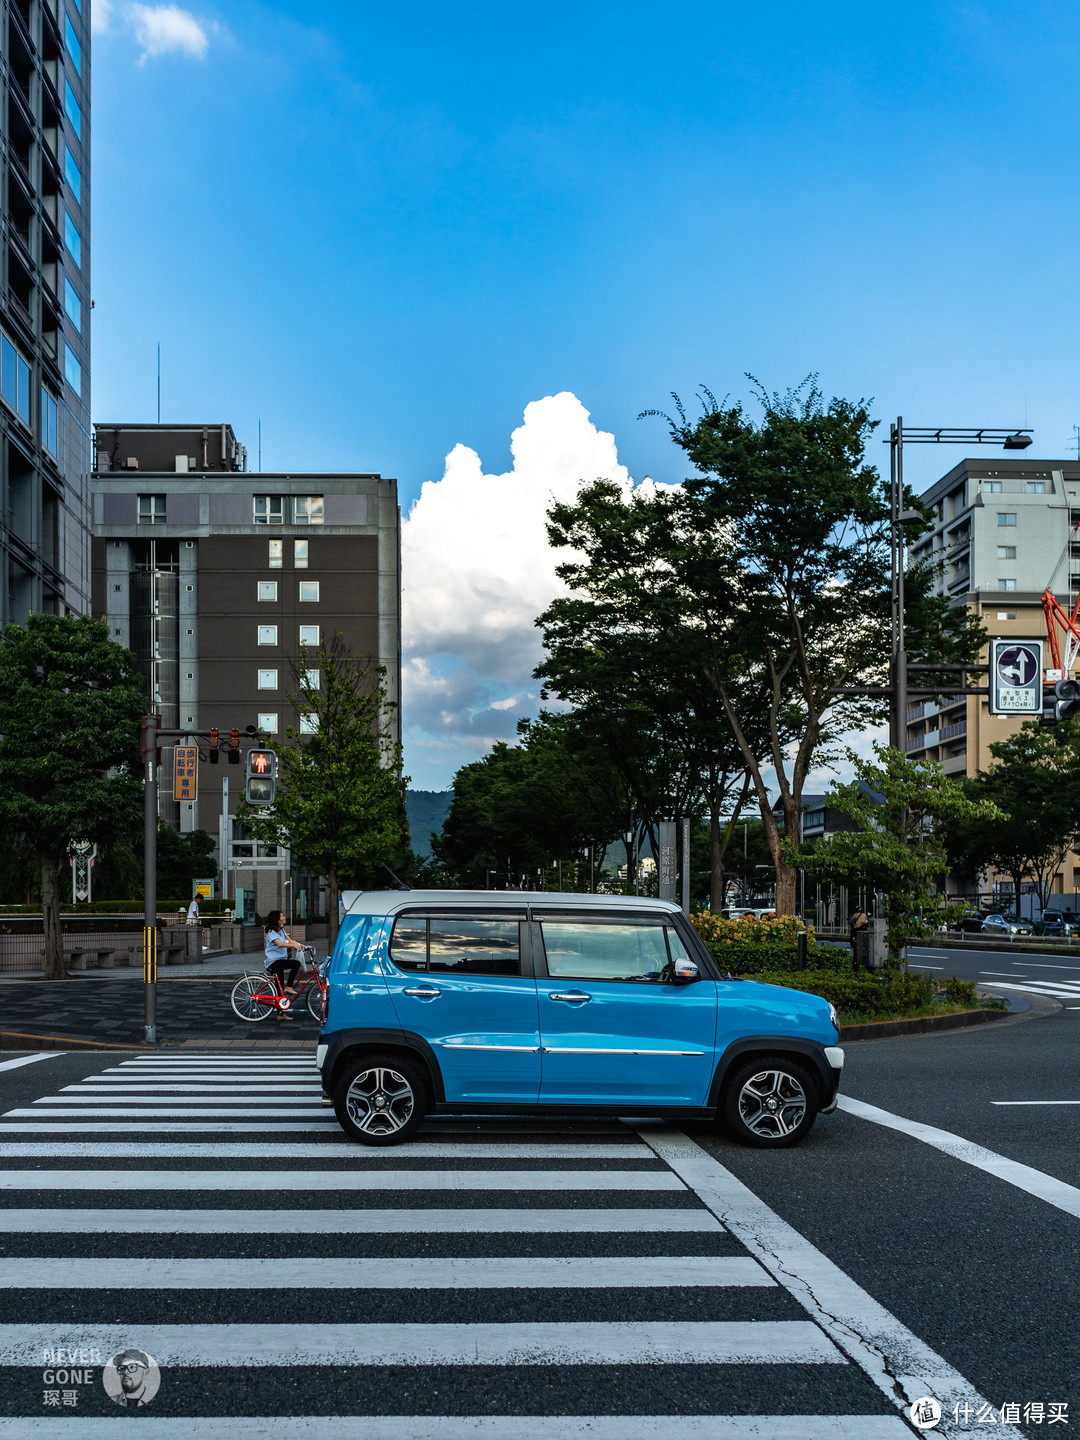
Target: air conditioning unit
{"type": "Point", "coordinates": [181, 464]}
{"type": "Point", "coordinates": [132, 462]}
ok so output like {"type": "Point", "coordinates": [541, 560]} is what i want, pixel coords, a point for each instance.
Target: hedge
{"type": "Point", "coordinates": [881, 994]}
{"type": "Point", "coordinates": [752, 944]}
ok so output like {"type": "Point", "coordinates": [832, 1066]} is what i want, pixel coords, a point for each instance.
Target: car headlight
{"type": "Point", "coordinates": [834, 1017]}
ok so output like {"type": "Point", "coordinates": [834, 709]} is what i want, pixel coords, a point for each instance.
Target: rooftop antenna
{"type": "Point", "coordinates": [260, 447]}
{"type": "Point", "coordinates": [159, 382]}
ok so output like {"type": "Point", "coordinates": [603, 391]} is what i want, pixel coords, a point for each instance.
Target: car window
{"type": "Point", "coordinates": [588, 950]}
{"type": "Point", "coordinates": [408, 944]}
{"type": "Point", "coordinates": [474, 947]}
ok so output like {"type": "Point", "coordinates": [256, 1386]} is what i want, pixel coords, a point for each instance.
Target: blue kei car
{"type": "Point", "coordinates": [455, 1001]}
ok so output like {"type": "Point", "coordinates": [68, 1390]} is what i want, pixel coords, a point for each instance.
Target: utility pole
{"type": "Point", "coordinates": [151, 726]}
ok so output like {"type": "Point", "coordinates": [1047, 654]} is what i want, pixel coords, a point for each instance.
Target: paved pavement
{"type": "Point", "coordinates": [545, 1277]}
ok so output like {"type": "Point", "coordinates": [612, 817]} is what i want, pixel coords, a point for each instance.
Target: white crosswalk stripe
{"type": "Point", "coordinates": [490, 1251]}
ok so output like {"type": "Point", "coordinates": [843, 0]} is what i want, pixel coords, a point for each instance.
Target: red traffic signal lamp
{"type": "Point", "coordinates": [215, 753]}
{"type": "Point", "coordinates": [261, 777]}
{"type": "Point", "coordinates": [234, 748]}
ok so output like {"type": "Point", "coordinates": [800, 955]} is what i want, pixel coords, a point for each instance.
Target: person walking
{"type": "Point", "coordinates": [193, 911]}
{"type": "Point", "coordinates": [276, 950]}
{"type": "Point", "coordinates": [858, 923]}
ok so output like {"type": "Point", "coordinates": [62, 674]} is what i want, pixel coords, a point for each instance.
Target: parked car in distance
{"type": "Point", "coordinates": [1006, 925]}
{"type": "Point", "coordinates": [466, 1001]}
{"type": "Point", "coordinates": [1058, 922]}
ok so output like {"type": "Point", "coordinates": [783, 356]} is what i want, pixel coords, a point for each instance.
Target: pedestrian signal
{"type": "Point", "coordinates": [261, 777]}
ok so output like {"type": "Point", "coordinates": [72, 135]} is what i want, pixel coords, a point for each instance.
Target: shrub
{"type": "Point", "coordinates": [751, 944]}
{"type": "Point", "coordinates": [880, 993]}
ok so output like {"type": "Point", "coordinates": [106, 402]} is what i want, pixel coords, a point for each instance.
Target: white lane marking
{"type": "Point", "coordinates": [1006, 974]}
{"type": "Point", "coordinates": [165, 1127]}
{"type": "Point", "coordinates": [156, 1097]}
{"type": "Point", "coordinates": [339, 1180]}
{"type": "Point", "coordinates": [1038, 965]}
{"type": "Point", "coordinates": [203, 1112]}
{"type": "Point", "coordinates": [334, 1145]}
{"type": "Point", "coordinates": [567, 1342]}
{"type": "Point", "coordinates": [28, 1060]}
{"type": "Point", "coordinates": [1024, 1177]}
{"type": "Point", "coordinates": [444, 1221]}
{"type": "Point", "coordinates": [219, 1061]}
{"type": "Point", "coordinates": [902, 1366]}
{"type": "Point", "coordinates": [152, 1089]}
{"type": "Point", "coordinates": [578, 1272]}
{"type": "Point", "coordinates": [469, 1427]}
{"type": "Point", "coordinates": [919, 965]}
{"type": "Point", "coordinates": [1054, 990]}
{"type": "Point", "coordinates": [1035, 1102]}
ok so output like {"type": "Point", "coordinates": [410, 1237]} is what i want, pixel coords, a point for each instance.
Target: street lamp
{"type": "Point", "coordinates": [898, 438]}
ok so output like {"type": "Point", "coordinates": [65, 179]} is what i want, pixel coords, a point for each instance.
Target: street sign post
{"type": "Point", "coordinates": [667, 867]}
{"type": "Point", "coordinates": [185, 772]}
{"type": "Point", "coordinates": [1016, 677]}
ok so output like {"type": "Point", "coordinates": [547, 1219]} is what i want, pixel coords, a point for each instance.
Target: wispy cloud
{"type": "Point", "coordinates": [168, 30]}
{"type": "Point", "coordinates": [101, 16]}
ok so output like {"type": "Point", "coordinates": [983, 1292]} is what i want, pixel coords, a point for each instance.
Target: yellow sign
{"type": "Point", "coordinates": [204, 889]}
{"type": "Point", "coordinates": [185, 772]}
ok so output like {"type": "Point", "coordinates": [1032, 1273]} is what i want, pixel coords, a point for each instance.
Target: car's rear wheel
{"type": "Point", "coordinates": [769, 1102]}
{"type": "Point", "coordinates": [380, 1099]}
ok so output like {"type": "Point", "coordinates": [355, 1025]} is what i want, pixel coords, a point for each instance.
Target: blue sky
{"type": "Point", "coordinates": [387, 230]}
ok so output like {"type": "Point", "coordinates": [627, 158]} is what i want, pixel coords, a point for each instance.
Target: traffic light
{"type": "Point", "coordinates": [215, 753]}
{"type": "Point", "coordinates": [261, 777]}
{"type": "Point", "coordinates": [234, 749]}
{"type": "Point", "coordinates": [1066, 699]}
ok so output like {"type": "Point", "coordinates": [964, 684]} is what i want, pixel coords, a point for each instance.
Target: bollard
{"type": "Point", "coordinates": [802, 949]}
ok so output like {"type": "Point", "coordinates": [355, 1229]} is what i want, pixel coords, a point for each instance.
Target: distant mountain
{"type": "Point", "coordinates": [426, 810]}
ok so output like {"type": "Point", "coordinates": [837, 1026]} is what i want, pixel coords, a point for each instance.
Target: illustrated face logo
{"type": "Point", "coordinates": [1017, 666]}
{"type": "Point", "coordinates": [131, 1378]}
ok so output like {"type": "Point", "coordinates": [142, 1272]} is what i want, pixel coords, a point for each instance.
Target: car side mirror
{"type": "Point", "coordinates": [685, 972]}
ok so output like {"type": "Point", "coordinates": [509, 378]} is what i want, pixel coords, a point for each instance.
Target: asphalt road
{"type": "Point", "coordinates": [550, 1278]}
{"type": "Point", "coordinates": [1010, 972]}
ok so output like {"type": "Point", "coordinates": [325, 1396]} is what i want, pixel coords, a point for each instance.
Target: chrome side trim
{"type": "Point", "coordinates": [458, 1045]}
{"type": "Point", "coordinates": [596, 1050]}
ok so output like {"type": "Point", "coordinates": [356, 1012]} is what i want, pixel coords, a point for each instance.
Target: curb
{"type": "Point", "coordinates": [22, 1041]}
{"type": "Point", "coordinates": [920, 1025]}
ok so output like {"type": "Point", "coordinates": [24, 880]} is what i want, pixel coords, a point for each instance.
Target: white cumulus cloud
{"type": "Point", "coordinates": [167, 30]}
{"type": "Point", "coordinates": [477, 570]}
{"type": "Point", "coordinates": [101, 15]}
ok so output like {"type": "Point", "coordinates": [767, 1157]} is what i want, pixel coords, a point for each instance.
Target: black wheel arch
{"type": "Point", "coordinates": [346, 1045]}
{"type": "Point", "coordinates": [750, 1046]}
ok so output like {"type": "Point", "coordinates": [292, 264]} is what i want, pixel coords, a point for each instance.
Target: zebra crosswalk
{"type": "Point", "coordinates": [491, 1278]}
{"type": "Point", "coordinates": [1036, 985]}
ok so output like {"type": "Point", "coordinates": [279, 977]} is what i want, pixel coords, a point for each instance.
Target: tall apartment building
{"type": "Point", "coordinates": [1003, 532]}
{"type": "Point", "coordinates": [216, 577]}
{"type": "Point", "coordinates": [45, 308]}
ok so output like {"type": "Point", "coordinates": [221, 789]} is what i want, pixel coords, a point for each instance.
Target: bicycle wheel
{"type": "Point", "coordinates": [316, 1004]}
{"type": "Point", "coordinates": [244, 999]}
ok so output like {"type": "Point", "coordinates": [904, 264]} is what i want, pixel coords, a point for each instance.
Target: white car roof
{"type": "Point", "coordinates": [389, 902]}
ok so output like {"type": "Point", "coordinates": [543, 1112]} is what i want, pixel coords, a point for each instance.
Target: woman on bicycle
{"type": "Point", "coordinates": [277, 950]}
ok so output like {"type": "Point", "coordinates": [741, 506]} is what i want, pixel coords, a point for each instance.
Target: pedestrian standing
{"type": "Point", "coordinates": [193, 912]}
{"type": "Point", "coordinates": [858, 923]}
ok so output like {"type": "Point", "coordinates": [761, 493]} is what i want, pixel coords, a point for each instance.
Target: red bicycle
{"type": "Point", "coordinates": [256, 997]}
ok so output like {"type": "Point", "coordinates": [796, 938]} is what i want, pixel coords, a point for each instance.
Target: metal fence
{"type": "Point", "coordinates": [93, 945]}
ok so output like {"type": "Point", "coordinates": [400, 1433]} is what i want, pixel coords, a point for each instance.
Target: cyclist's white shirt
{"type": "Point", "coordinates": [275, 949]}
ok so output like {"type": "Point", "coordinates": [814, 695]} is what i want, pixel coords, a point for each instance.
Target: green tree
{"type": "Point", "coordinates": [182, 858]}
{"type": "Point", "coordinates": [898, 807]}
{"type": "Point", "coordinates": [340, 801]}
{"type": "Point", "coordinates": [70, 705]}
{"type": "Point", "coordinates": [1034, 783]}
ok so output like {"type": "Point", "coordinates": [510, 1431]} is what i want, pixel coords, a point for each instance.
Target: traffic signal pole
{"type": "Point", "coordinates": [151, 726]}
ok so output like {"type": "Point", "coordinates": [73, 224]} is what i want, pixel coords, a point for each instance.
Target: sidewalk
{"type": "Point", "coordinates": [106, 1007]}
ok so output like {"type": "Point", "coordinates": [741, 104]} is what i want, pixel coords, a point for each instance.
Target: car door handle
{"type": "Point", "coordinates": [422, 994]}
{"type": "Point", "coordinates": [576, 997]}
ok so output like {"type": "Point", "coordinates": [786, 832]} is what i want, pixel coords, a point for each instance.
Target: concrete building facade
{"type": "Point", "coordinates": [1003, 534]}
{"type": "Point", "coordinates": [45, 443]}
{"type": "Point", "coordinates": [219, 579]}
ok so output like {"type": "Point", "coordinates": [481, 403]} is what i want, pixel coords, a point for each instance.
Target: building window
{"type": "Point", "coordinates": [276, 548]}
{"type": "Point", "coordinates": [73, 175]}
{"type": "Point", "coordinates": [309, 724]}
{"type": "Point", "coordinates": [300, 554]}
{"type": "Point", "coordinates": [267, 589]}
{"type": "Point", "coordinates": [267, 634]}
{"type": "Point", "coordinates": [71, 105]}
{"type": "Point", "coordinates": [309, 590]}
{"type": "Point", "coordinates": [72, 239]}
{"type": "Point", "coordinates": [72, 372]}
{"type": "Point", "coordinates": [1006, 552]}
{"type": "Point", "coordinates": [268, 679]}
{"type": "Point", "coordinates": [1035, 487]}
{"type": "Point", "coordinates": [308, 510]}
{"type": "Point", "coordinates": [992, 487]}
{"type": "Point", "coordinates": [309, 679]}
{"type": "Point", "coordinates": [72, 304]}
{"type": "Point", "coordinates": [1006, 517]}
{"type": "Point", "coordinates": [309, 634]}
{"type": "Point", "coordinates": [14, 379]}
{"type": "Point", "coordinates": [151, 509]}
{"type": "Point", "coordinates": [269, 509]}
{"type": "Point", "coordinates": [1006, 584]}
{"type": "Point", "coordinates": [74, 49]}
{"type": "Point", "coordinates": [268, 722]}
{"type": "Point", "coordinates": [50, 435]}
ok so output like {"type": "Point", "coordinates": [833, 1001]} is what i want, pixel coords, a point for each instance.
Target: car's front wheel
{"type": "Point", "coordinates": [380, 1100]}
{"type": "Point", "coordinates": [769, 1102]}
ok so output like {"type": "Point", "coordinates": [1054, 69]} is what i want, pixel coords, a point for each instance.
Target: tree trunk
{"type": "Point", "coordinates": [332, 876]}
{"type": "Point", "coordinates": [55, 968]}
